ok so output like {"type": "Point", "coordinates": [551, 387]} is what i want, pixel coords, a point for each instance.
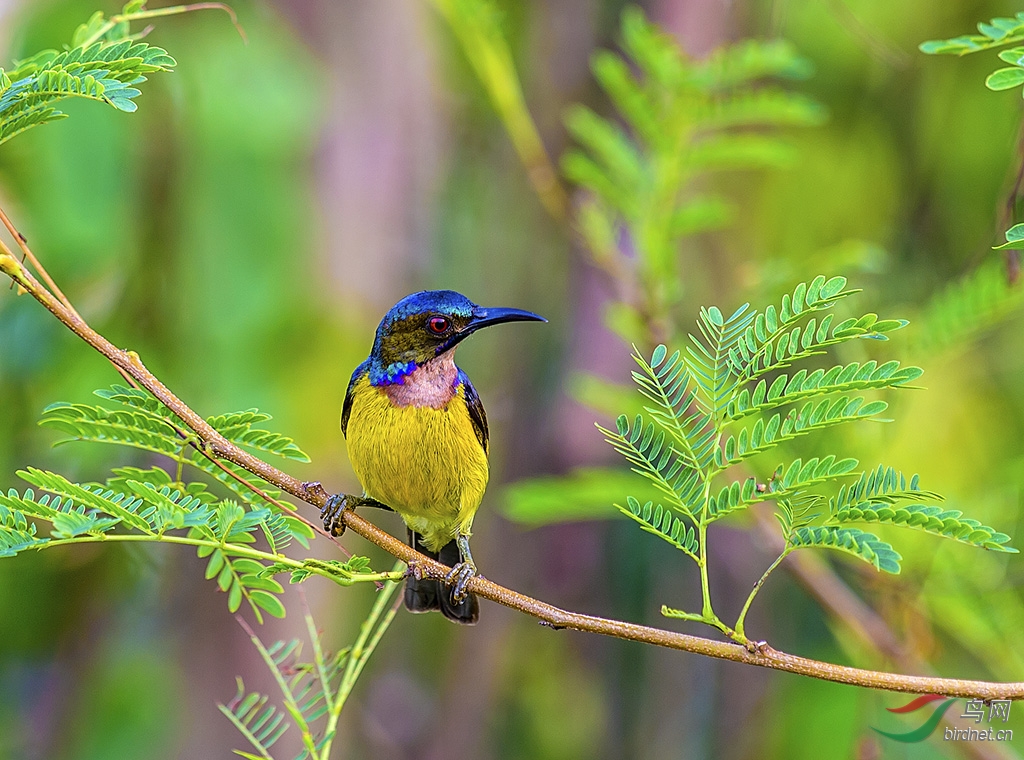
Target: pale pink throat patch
{"type": "Point", "coordinates": [432, 384]}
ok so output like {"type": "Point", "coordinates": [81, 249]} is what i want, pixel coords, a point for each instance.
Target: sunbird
{"type": "Point", "coordinates": [416, 434]}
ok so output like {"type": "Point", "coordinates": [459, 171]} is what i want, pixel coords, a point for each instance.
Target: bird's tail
{"type": "Point", "coordinates": [427, 594]}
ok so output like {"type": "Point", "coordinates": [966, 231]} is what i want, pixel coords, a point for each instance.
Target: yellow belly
{"type": "Point", "coordinates": [427, 464]}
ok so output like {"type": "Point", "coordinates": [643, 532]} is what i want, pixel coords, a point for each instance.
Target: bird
{"type": "Point", "coordinates": [417, 438]}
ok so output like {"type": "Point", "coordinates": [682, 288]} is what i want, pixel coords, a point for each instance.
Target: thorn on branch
{"type": "Point", "coordinates": [757, 647]}
{"type": "Point", "coordinates": [414, 570]}
{"type": "Point", "coordinates": [314, 492]}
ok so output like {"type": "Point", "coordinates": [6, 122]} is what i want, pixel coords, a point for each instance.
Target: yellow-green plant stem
{"type": "Point", "coordinates": [377, 623]}
{"type": "Point", "coordinates": [236, 550]}
{"type": "Point", "coordinates": [334, 705]}
{"type": "Point", "coordinates": [707, 610]}
{"type": "Point", "coordinates": [739, 635]}
{"type": "Point", "coordinates": [475, 25]}
{"type": "Point", "coordinates": [171, 10]}
{"type": "Point", "coordinates": [707, 613]}
{"type": "Point", "coordinates": [365, 645]}
{"type": "Point", "coordinates": [290, 704]}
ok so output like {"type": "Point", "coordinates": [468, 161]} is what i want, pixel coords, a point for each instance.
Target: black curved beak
{"type": "Point", "coordinates": [487, 316]}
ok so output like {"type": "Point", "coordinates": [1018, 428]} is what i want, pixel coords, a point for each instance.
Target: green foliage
{"type": "Point", "coordinates": [999, 32]}
{"type": "Point", "coordinates": [258, 722]}
{"type": "Point", "coordinates": [221, 530]}
{"type": "Point", "coordinates": [689, 435]}
{"type": "Point", "coordinates": [579, 495]}
{"type": "Point", "coordinates": [684, 120]}
{"type": "Point", "coordinates": [853, 541]}
{"type": "Point", "coordinates": [137, 504]}
{"type": "Point", "coordinates": [477, 26]}
{"type": "Point", "coordinates": [103, 63]}
{"type": "Point", "coordinates": [238, 428]}
{"type": "Point", "coordinates": [147, 424]}
{"type": "Point", "coordinates": [242, 535]}
{"type": "Point", "coordinates": [964, 309]}
{"type": "Point", "coordinates": [661, 522]}
{"type": "Point", "coordinates": [313, 693]}
{"type": "Point", "coordinates": [1014, 235]}
{"type": "Point", "coordinates": [343, 573]}
{"type": "Point", "coordinates": [996, 33]}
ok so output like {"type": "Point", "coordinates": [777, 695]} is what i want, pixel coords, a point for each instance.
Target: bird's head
{"type": "Point", "coordinates": [425, 325]}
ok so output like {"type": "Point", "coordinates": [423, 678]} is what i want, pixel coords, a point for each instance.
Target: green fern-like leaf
{"type": "Point", "coordinates": [92, 499]}
{"type": "Point", "coordinates": [707, 359]}
{"type": "Point", "coordinates": [666, 382]}
{"type": "Point", "coordinates": [813, 416]}
{"type": "Point", "coordinates": [170, 509]}
{"type": "Point", "coordinates": [645, 448]}
{"type": "Point", "coordinates": [948, 523]}
{"type": "Point", "coordinates": [688, 433]}
{"type": "Point", "coordinates": [137, 428]}
{"type": "Point", "coordinates": [683, 119]}
{"type": "Point", "coordinates": [976, 303]}
{"type": "Point", "coordinates": [879, 496]}
{"type": "Point", "coordinates": [108, 72]}
{"type": "Point", "coordinates": [996, 33]}
{"type": "Point", "coordinates": [661, 522]}
{"type": "Point", "coordinates": [136, 398]}
{"type": "Point", "coordinates": [999, 32]}
{"type": "Point", "coordinates": [733, 497]}
{"type": "Point", "coordinates": [241, 578]}
{"type": "Point", "coordinates": [235, 478]}
{"type": "Point", "coordinates": [343, 572]}
{"type": "Point", "coordinates": [786, 389]}
{"type": "Point", "coordinates": [751, 61]}
{"type": "Point", "coordinates": [779, 337]}
{"type": "Point", "coordinates": [788, 480]}
{"type": "Point", "coordinates": [16, 533]}
{"type": "Point", "coordinates": [858, 543]}
{"type": "Point", "coordinates": [261, 724]}
{"type": "Point", "coordinates": [881, 485]}
{"type": "Point", "coordinates": [238, 428]}
{"type": "Point", "coordinates": [795, 510]}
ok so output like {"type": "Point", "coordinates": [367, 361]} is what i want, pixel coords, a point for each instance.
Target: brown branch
{"type": "Point", "coordinates": [760, 655]}
{"type": "Point", "coordinates": [839, 600]}
{"type": "Point", "coordinates": [37, 265]}
{"type": "Point", "coordinates": [26, 252]}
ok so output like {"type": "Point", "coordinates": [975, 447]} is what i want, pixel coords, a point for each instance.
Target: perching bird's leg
{"type": "Point", "coordinates": [338, 503]}
{"type": "Point", "coordinates": [459, 575]}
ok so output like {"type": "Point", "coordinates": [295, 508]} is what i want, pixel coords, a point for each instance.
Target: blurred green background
{"type": "Point", "coordinates": [248, 227]}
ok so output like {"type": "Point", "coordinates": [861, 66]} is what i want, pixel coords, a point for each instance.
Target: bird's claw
{"type": "Point", "coordinates": [332, 511]}
{"type": "Point", "coordinates": [458, 578]}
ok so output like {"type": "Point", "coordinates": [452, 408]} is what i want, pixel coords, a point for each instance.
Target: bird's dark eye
{"type": "Point", "coordinates": [438, 325]}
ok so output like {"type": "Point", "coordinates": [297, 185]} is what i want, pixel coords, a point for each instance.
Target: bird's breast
{"type": "Point", "coordinates": [433, 384]}
{"type": "Point", "coordinates": [422, 459]}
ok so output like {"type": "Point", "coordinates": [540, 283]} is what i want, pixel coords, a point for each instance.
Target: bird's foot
{"type": "Point", "coordinates": [333, 510]}
{"type": "Point", "coordinates": [458, 578]}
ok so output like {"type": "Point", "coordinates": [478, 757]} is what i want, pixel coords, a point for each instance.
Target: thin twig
{"type": "Point", "coordinates": [172, 10]}
{"type": "Point", "coordinates": [761, 655]}
{"type": "Point", "coordinates": [22, 242]}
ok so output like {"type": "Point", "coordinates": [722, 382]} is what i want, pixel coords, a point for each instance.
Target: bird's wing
{"type": "Point", "coordinates": [346, 409]}
{"type": "Point", "coordinates": [476, 410]}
